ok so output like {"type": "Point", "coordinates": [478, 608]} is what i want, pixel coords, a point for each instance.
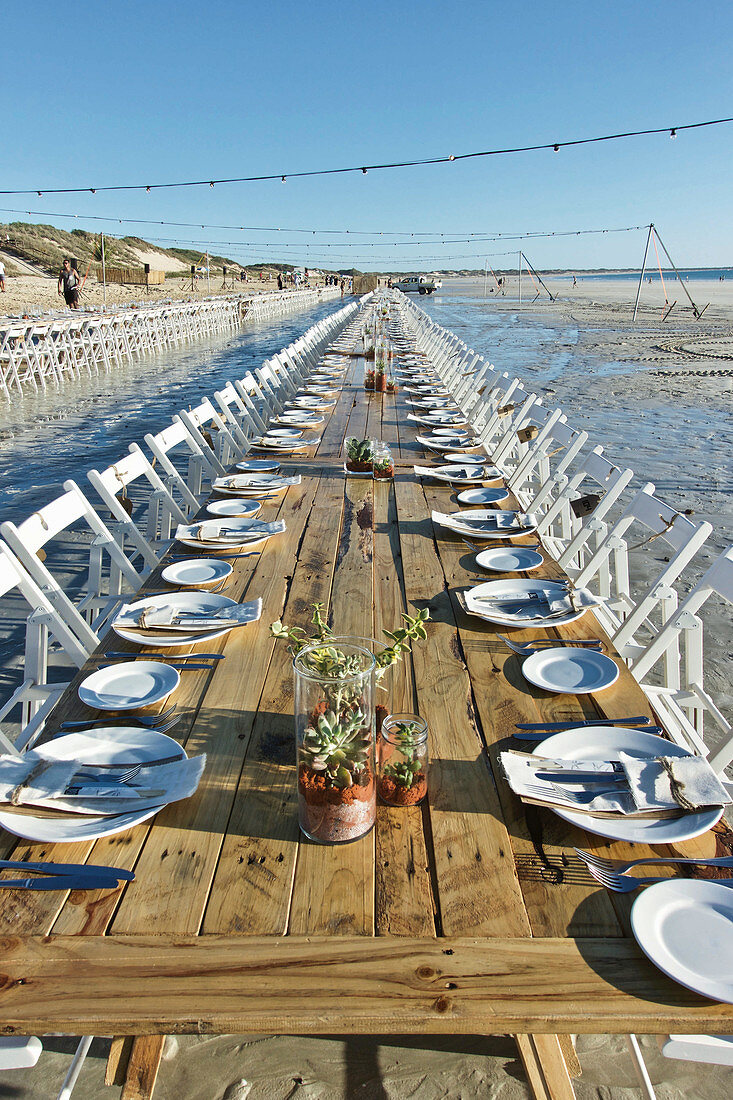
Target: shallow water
{"type": "Point", "coordinates": [47, 438]}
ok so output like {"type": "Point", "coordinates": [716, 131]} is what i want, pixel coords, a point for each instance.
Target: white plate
{"type": "Point", "coordinates": [534, 615]}
{"type": "Point", "coordinates": [606, 743]}
{"type": "Point", "coordinates": [243, 508]}
{"type": "Point", "coordinates": [195, 571]}
{"type": "Point", "coordinates": [129, 685]}
{"type": "Point", "coordinates": [258, 465]}
{"type": "Point", "coordinates": [97, 746]}
{"type": "Point", "coordinates": [508, 559]}
{"type": "Point", "coordinates": [301, 421]}
{"type": "Point", "coordinates": [685, 926]}
{"type": "Point", "coordinates": [491, 529]}
{"type": "Point", "coordinates": [451, 433]}
{"type": "Point", "coordinates": [462, 474]}
{"type": "Point", "coordinates": [570, 671]}
{"type": "Point", "coordinates": [283, 446]}
{"type": "Point", "coordinates": [250, 485]}
{"type": "Point", "coordinates": [186, 601]}
{"type": "Point", "coordinates": [481, 496]}
{"type": "Point", "coordinates": [283, 433]}
{"type": "Point", "coordinates": [231, 534]}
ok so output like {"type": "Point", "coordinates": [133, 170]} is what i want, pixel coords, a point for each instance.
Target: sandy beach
{"type": "Point", "coordinates": [34, 293]}
{"type": "Point", "coordinates": [657, 395]}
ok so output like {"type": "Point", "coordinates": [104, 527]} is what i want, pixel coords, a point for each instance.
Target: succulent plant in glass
{"type": "Point", "coordinates": [334, 726]}
{"type": "Point", "coordinates": [338, 745]}
{"type": "Point", "coordinates": [359, 455]}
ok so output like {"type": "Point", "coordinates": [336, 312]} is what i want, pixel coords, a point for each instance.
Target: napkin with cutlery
{"type": "Point", "coordinates": [498, 521]}
{"type": "Point", "coordinates": [168, 617]}
{"type": "Point", "coordinates": [38, 780]}
{"type": "Point", "coordinates": [256, 481]}
{"type": "Point", "coordinates": [530, 604]}
{"type": "Point", "coordinates": [630, 787]}
{"type": "Point", "coordinates": [223, 531]}
{"type": "Point", "coordinates": [459, 473]}
{"type": "Point", "coordinates": [263, 444]}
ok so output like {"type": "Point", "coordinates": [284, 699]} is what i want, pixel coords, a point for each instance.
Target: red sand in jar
{"type": "Point", "coordinates": [334, 814]}
{"type": "Point", "coordinates": [397, 795]}
{"type": "Point", "coordinates": [380, 382]}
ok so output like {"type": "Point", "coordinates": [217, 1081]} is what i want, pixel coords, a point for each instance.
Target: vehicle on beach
{"type": "Point", "coordinates": [418, 284]}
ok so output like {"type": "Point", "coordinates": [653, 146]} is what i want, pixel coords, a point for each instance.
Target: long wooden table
{"type": "Point", "coordinates": [469, 914]}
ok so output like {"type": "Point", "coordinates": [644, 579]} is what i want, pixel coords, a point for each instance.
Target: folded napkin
{"type": "Point", "coordinates": [283, 444]}
{"type": "Point", "coordinates": [460, 473]}
{"type": "Point", "coordinates": [531, 604]}
{"type": "Point", "coordinates": [651, 797]}
{"type": "Point", "coordinates": [255, 481]}
{"type": "Point", "coordinates": [168, 617]}
{"type": "Point", "coordinates": [228, 533]}
{"type": "Point", "coordinates": [462, 522]}
{"type": "Point", "coordinates": [671, 782]}
{"type": "Point", "coordinates": [38, 780]}
{"type": "Point", "coordinates": [446, 422]}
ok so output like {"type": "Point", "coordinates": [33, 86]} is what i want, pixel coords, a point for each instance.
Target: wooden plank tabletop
{"type": "Point", "coordinates": [484, 920]}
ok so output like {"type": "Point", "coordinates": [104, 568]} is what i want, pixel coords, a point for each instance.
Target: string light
{"type": "Point", "coordinates": [556, 146]}
{"type": "Point", "coordinates": [457, 237]}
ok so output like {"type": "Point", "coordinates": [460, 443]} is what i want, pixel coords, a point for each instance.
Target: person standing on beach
{"type": "Point", "coordinates": [2, 276]}
{"type": "Point", "coordinates": [69, 284]}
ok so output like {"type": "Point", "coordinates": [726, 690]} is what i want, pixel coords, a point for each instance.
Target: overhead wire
{"type": "Point", "coordinates": [364, 168]}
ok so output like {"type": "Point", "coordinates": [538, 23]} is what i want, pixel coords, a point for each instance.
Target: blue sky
{"type": "Point", "coordinates": [132, 91]}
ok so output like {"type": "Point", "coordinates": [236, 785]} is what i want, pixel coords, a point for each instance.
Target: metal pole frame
{"type": "Point", "coordinates": [104, 276]}
{"type": "Point", "coordinates": [643, 269]}
{"type": "Point", "coordinates": [529, 265]}
{"type": "Point", "coordinates": [697, 313]}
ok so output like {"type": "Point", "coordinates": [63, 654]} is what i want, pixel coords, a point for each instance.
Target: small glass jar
{"type": "Point", "coordinates": [382, 461]}
{"type": "Point", "coordinates": [402, 764]}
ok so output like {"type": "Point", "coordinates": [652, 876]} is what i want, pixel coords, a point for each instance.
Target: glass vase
{"type": "Point", "coordinates": [334, 728]}
{"type": "Point", "coordinates": [402, 769]}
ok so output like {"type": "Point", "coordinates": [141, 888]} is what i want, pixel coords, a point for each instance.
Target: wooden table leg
{"type": "Point", "coordinates": [142, 1067]}
{"type": "Point", "coordinates": [117, 1060]}
{"type": "Point", "coordinates": [545, 1066]}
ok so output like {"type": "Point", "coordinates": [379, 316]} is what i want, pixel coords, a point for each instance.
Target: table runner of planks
{"type": "Point", "coordinates": [484, 921]}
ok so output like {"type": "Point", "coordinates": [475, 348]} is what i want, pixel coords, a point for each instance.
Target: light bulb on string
{"type": "Point", "coordinates": [673, 133]}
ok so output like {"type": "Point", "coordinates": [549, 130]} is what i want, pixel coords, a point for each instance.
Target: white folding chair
{"type": "Point", "coordinates": [182, 462]}
{"type": "Point", "coordinates": [537, 476]}
{"type": "Point", "coordinates": [141, 504]}
{"type": "Point", "coordinates": [219, 450]}
{"type": "Point", "coordinates": [682, 701]}
{"type": "Point", "coordinates": [35, 693]}
{"type": "Point", "coordinates": [629, 604]}
{"type": "Point", "coordinates": [578, 513]}
{"type": "Point", "coordinates": [99, 570]}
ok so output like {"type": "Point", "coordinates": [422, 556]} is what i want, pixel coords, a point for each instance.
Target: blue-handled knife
{"type": "Point", "coordinates": [637, 720]}
{"type": "Point", "coordinates": [540, 735]}
{"type": "Point", "coordinates": [60, 882]}
{"type": "Point", "coordinates": [77, 869]}
{"type": "Point", "coordinates": [564, 776]}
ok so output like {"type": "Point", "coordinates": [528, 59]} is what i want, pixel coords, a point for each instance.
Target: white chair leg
{"type": "Point", "coordinates": [75, 1068]}
{"type": "Point", "coordinates": [639, 1065]}
{"type": "Point", "coordinates": [19, 1051]}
